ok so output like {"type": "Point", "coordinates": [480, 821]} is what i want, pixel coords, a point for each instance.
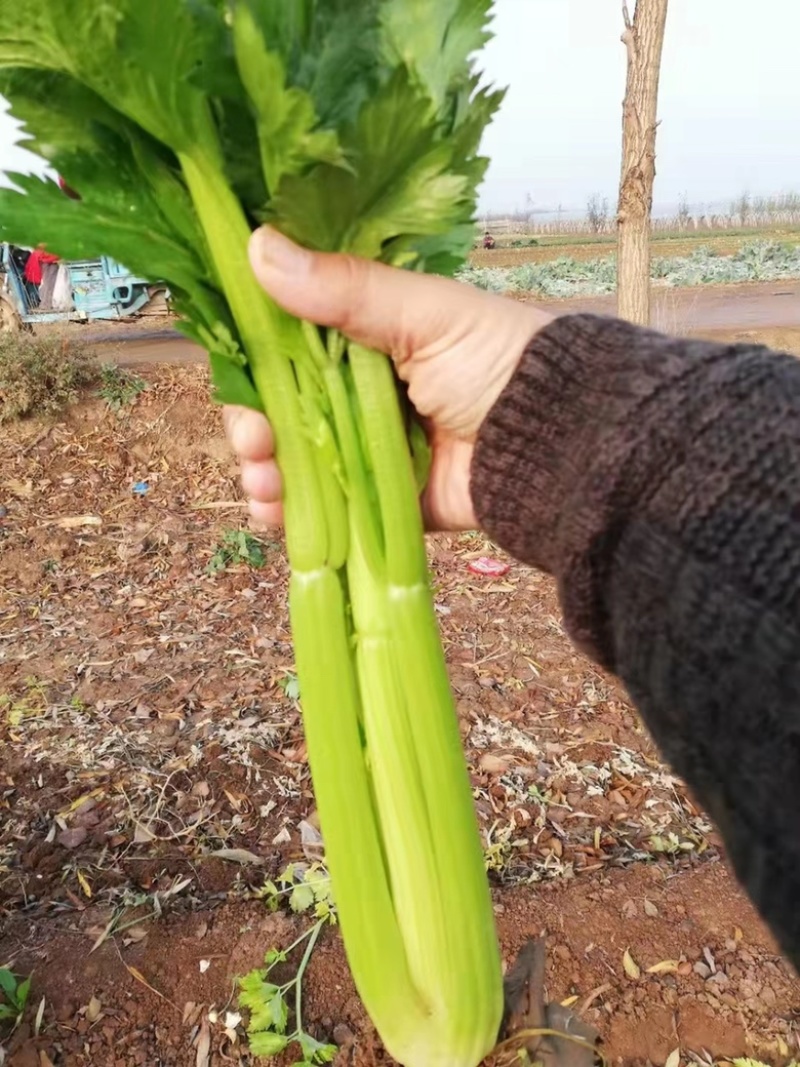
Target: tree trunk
{"type": "Point", "coordinates": [643, 39]}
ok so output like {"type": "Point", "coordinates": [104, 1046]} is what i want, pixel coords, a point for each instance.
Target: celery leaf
{"type": "Point", "coordinates": [435, 41]}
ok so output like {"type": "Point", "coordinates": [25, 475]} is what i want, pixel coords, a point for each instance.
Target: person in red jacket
{"type": "Point", "coordinates": [41, 269]}
{"type": "Point", "coordinates": [40, 273]}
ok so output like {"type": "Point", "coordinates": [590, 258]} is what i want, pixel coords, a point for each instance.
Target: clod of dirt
{"type": "Point", "coordinates": [73, 838]}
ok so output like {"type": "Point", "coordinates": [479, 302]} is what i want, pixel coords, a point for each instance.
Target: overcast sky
{"type": "Point", "coordinates": [729, 102]}
{"type": "Point", "coordinates": [729, 107]}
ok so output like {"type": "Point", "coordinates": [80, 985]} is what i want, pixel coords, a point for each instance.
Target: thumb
{"type": "Point", "coordinates": [392, 310]}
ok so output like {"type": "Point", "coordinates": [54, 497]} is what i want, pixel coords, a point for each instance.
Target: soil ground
{"type": "Point", "coordinates": [153, 775]}
{"type": "Point", "coordinates": [585, 248]}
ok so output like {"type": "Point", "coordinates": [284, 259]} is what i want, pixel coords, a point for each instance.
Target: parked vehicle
{"type": "Point", "coordinates": [97, 289]}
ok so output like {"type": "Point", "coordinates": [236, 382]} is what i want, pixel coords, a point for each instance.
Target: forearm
{"type": "Point", "coordinates": [659, 481]}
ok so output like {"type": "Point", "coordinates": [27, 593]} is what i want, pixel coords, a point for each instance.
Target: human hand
{"type": "Point", "coordinates": [456, 347]}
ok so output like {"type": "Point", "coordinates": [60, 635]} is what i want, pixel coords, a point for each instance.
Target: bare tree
{"type": "Point", "coordinates": [740, 209]}
{"type": "Point", "coordinates": [643, 39]}
{"type": "Point", "coordinates": [597, 213]}
{"type": "Point", "coordinates": [684, 216]}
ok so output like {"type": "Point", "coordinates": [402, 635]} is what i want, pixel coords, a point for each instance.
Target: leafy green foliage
{"type": "Point", "coordinates": [31, 704]}
{"type": "Point", "coordinates": [330, 48]}
{"type": "Point", "coordinates": [305, 889]}
{"type": "Point", "coordinates": [755, 261]}
{"type": "Point", "coordinates": [290, 685]}
{"type": "Point", "coordinates": [435, 41]}
{"type": "Point", "coordinates": [267, 1000]}
{"type": "Point", "coordinates": [14, 993]}
{"type": "Point", "coordinates": [409, 187]}
{"type": "Point", "coordinates": [132, 62]}
{"type": "Point", "coordinates": [119, 387]}
{"type": "Point", "coordinates": [367, 122]}
{"type": "Point", "coordinates": [133, 205]}
{"type": "Point", "coordinates": [237, 546]}
{"type": "Point", "coordinates": [40, 374]}
{"type": "Point", "coordinates": [285, 116]}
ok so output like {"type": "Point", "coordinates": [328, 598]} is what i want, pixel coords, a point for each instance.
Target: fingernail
{"type": "Point", "coordinates": [277, 252]}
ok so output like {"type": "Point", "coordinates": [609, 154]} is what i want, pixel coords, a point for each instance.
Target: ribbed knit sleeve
{"type": "Point", "coordinates": [659, 481]}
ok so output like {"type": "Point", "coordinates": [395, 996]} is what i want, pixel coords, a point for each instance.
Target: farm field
{"type": "Point", "coordinates": [513, 249]}
{"type": "Point", "coordinates": [565, 276]}
{"type": "Point", "coordinates": [154, 774]}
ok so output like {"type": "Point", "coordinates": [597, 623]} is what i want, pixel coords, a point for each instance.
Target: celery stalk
{"type": "Point", "coordinates": [353, 127]}
{"type": "Point", "coordinates": [395, 800]}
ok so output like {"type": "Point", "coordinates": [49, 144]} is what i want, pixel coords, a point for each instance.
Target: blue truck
{"type": "Point", "coordinates": [100, 289]}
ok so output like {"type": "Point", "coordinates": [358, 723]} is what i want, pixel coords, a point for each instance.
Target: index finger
{"type": "Point", "coordinates": [395, 311]}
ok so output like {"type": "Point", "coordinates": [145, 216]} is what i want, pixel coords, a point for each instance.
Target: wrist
{"type": "Point", "coordinates": [541, 438]}
{"type": "Point", "coordinates": [518, 333]}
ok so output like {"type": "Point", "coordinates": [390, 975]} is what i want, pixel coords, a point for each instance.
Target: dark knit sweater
{"type": "Point", "coordinates": [659, 481]}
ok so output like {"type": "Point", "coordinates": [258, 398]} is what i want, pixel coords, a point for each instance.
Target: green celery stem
{"type": "Point", "coordinates": [397, 815]}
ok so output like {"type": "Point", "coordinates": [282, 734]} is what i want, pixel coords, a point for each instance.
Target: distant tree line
{"type": "Point", "coordinates": [744, 212]}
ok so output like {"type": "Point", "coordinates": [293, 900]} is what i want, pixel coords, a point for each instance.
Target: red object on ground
{"type": "Point", "coordinates": [489, 568]}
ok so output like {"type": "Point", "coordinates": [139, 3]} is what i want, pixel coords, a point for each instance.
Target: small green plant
{"type": "Point", "coordinates": [757, 1063]}
{"type": "Point", "coordinates": [14, 993]}
{"type": "Point", "coordinates": [671, 845]}
{"type": "Point", "coordinates": [290, 686]}
{"type": "Point", "coordinates": [303, 887]}
{"type": "Point", "coordinates": [306, 889]}
{"type": "Point", "coordinates": [40, 375]}
{"type": "Point", "coordinates": [267, 1002]}
{"type": "Point", "coordinates": [32, 704]}
{"type": "Point", "coordinates": [535, 793]}
{"type": "Point", "coordinates": [119, 387]}
{"type": "Point", "coordinates": [499, 848]}
{"type": "Point", "coordinates": [236, 546]}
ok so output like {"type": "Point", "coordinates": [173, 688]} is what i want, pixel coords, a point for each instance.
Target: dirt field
{"type": "Point", "coordinates": [153, 774]}
{"type": "Point", "coordinates": [556, 248]}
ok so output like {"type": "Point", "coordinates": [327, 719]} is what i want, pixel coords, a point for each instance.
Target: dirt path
{"type": "Point", "coordinates": [761, 305]}
{"type": "Point", "coordinates": [767, 312]}
{"type": "Point", "coordinates": [165, 347]}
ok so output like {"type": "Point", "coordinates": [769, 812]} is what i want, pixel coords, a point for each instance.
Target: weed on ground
{"type": "Point", "coordinates": [40, 375]}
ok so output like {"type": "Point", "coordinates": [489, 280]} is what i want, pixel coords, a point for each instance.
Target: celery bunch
{"type": "Point", "coordinates": [351, 126]}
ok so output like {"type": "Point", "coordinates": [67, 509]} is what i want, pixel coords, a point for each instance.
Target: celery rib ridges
{"type": "Point", "coordinates": [350, 127]}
